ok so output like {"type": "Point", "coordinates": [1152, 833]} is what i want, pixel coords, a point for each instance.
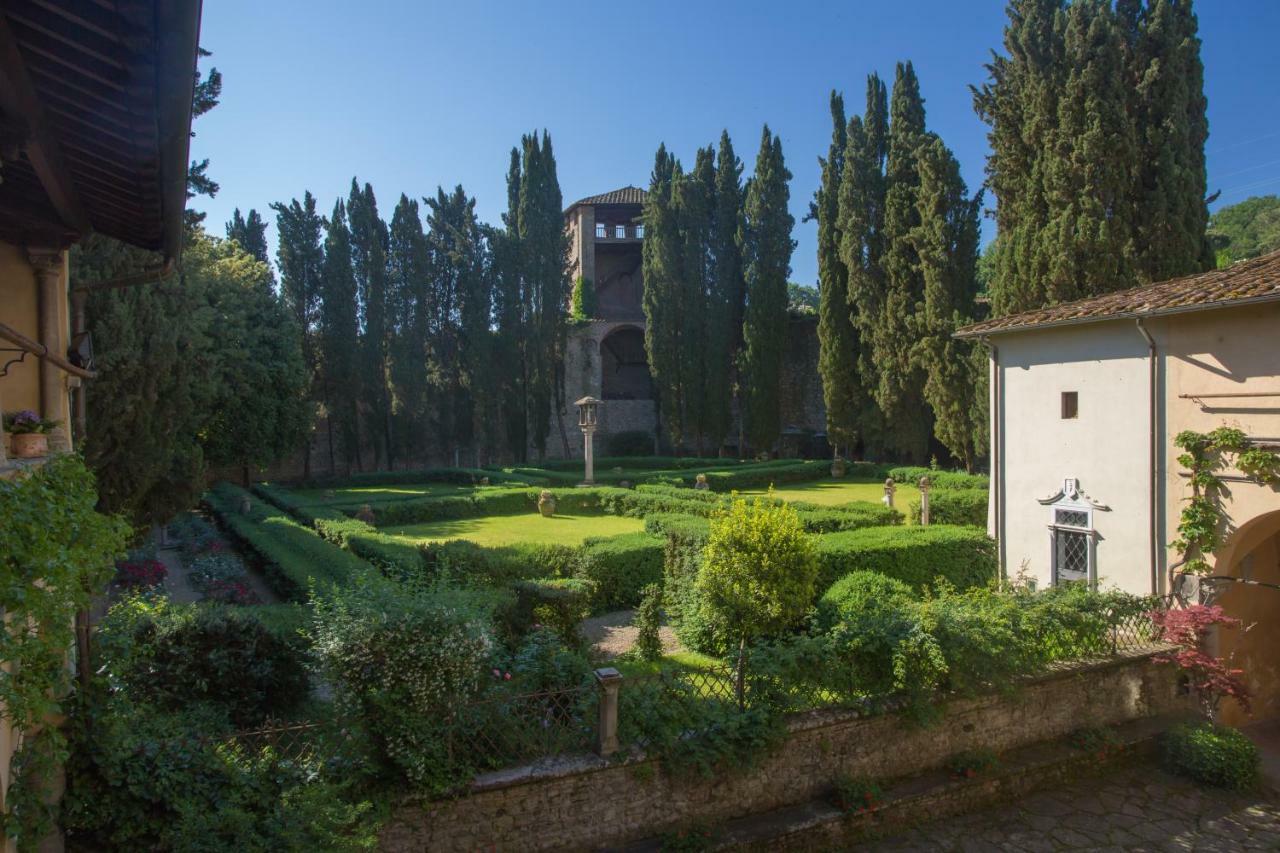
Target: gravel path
{"type": "Point", "coordinates": [612, 634]}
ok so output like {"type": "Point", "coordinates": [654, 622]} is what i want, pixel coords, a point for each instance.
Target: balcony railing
{"type": "Point", "coordinates": [619, 232]}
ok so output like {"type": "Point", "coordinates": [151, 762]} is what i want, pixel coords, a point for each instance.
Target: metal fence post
{"type": "Point", "coordinates": [609, 680]}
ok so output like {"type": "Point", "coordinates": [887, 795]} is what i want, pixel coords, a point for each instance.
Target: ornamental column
{"type": "Point", "coordinates": [50, 268]}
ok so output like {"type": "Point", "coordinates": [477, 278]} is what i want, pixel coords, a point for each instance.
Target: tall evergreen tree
{"type": "Point", "coordinates": [695, 200]}
{"type": "Point", "coordinates": [766, 253]}
{"type": "Point", "coordinates": [663, 275]}
{"type": "Point", "coordinates": [339, 342]}
{"type": "Point", "coordinates": [544, 254]}
{"type": "Point", "coordinates": [900, 389]}
{"type": "Point", "coordinates": [300, 258]}
{"type": "Point", "coordinates": [411, 308]}
{"type": "Point", "coordinates": [837, 336]}
{"type": "Point", "coordinates": [728, 290]}
{"type": "Point", "coordinates": [369, 240]}
{"type": "Point", "coordinates": [251, 233]}
{"type": "Point", "coordinates": [946, 243]}
{"type": "Point", "coordinates": [511, 317]}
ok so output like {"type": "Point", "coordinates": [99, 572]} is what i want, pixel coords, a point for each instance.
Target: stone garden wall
{"type": "Point", "coordinates": [586, 802]}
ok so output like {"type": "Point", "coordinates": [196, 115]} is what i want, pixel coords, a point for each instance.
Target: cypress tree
{"type": "Point", "coordinates": [837, 336]}
{"type": "Point", "coordinates": [251, 233]}
{"type": "Point", "coordinates": [946, 243]}
{"type": "Point", "coordinates": [511, 318]}
{"type": "Point", "coordinates": [1169, 108]}
{"type": "Point", "coordinates": [900, 389]}
{"type": "Point", "coordinates": [339, 343]}
{"type": "Point", "coordinates": [410, 309]}
{"type": "Point", "coordinates": [300, 258]}
{"type": "Point", "coordinates": [661, 269]}
{"type": "Point", "coordinates": [728, 291]}
{"type": "Point", "coordinates": [369, 240]}
{"type": "Point", "coordinates": [695, 199]}
{"type": "Point", "coordinates": [766, 252]}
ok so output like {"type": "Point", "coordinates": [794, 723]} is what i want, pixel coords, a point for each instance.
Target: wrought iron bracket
{"type": "Point", "coordinates": [4, 369]}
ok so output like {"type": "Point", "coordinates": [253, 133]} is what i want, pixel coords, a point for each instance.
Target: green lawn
{"type": "Point", "coordinates": [356, 495]}
{"type": "Point", "coordinates": [497, 530]}
{"type": "Point", "coordinates": [834, 492]}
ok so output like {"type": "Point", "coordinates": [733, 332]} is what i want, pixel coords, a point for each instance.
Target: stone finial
{"type": "Point", "coordinates": [700, 483]}
{"type": "Point", "coordinates": [365, 514]}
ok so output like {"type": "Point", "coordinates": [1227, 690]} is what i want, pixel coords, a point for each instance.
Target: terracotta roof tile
{"type": "Point", "coordinates": [1254, 280]}
{"type": "Point", "coordinates": [626, 195]}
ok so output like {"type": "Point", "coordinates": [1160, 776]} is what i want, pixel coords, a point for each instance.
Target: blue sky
{"type": "Point", "coordinates": [411, 95]}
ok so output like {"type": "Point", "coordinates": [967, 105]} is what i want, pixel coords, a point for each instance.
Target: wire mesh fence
{"type": "Point", "coordinates": [508, 730]}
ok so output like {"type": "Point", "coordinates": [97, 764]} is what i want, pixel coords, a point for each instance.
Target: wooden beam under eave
{"type": "Point", "coordinates": [18, 97]}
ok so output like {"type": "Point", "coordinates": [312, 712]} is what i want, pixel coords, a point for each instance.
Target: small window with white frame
{"type": "Point", "coordinates": [1073, 539]}
{"type": "Point", "coordinates": [620, 232]}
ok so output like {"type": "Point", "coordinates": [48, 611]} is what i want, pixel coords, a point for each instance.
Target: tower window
{"type": "Point", "coordinates": [1070, 405]}
{"type": "Point", "coordinates": [620, 231]}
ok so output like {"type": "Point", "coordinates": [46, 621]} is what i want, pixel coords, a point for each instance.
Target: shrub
{"type": "Point", "coordinates": [681, 561]}
{"type": "Point", "coordinates": [633, 442]}
{"type": "Point", "coordinates": [954, 506]}
{"type": "Point", "coordinates": [559, 603]}
{"type": "Point", "coordinates": [939, 479]}
{"type": "Point", "coordinates": [1212, 755]}
{"type": "Point", "coordinates": [294, 556]}
{"type": "Point", "coordinates": [758, 571]}
{"type": "Point", "coordinates": [648, 622]}
{"type": "Point", "coordinates": [620, 567]}
{"type": "Point", "coordinates": [858, 593]}
{"type": "Point", "coordinates": [172, 655]}
{"type": "Point", "coordinates": [968, 764]}
{"type": "Point", "coordinates": [964, 556]}
{"type": "Point", "coordinates": [857, 795]}
{"type": "Point", "coordinates": [221, 577]}
{"type": "Point", "coordinates": [543, 662]}
{"type": "Point", "coordinates": [851, 516]}
{"type": "Point", "coordinates": [402, 657]}
{"type": "Point", "coordinates": [140, 574]}
{"type": "Point", "coordinates": [467, 563]}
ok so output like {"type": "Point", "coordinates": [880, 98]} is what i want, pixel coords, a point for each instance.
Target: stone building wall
{"type": "Point", "coordinates": [587, 802]}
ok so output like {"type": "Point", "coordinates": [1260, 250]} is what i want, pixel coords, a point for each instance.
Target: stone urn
{"type": "Point", "coordinates": [365, 514]}
{"type": "Point", "coordinates": [838, 467]}
{"type": "Point", "coordinates": [29, 445]}
{"type": "Point", "coordinates": [625, 484]}
{"type": "Point", "coordinates": [246, 505]}
{"type": "Point", "coordinates": [484, 481]}
{"type": "Point", "coordinates": [547, 503]}
{"type": "Point", "coordinates": [700, 483]}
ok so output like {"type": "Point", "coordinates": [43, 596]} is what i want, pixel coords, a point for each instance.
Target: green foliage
{"type": "Point", "coordinates": [939, 479]}
{"type": "Point", "coordinates": [766, 258]}
{"type": "Point", "coordinates": [1213, 755]}
{"type": "Point", "coordinates": [144, 779]}
{"type": "Point", "coordinates": [582, 303]}
{"type": "Point", "coordinates": [648, 620]}
{"type": "Point", "coordinates": [857, 794]}
{"type": "Point", "coordinates": [430, 644]}
{"type": "Point", "coordinates": [1201, 523]}
{"type": "Point", "coordinates": [859, 593]}
{"type": "Point", "coordinates": [758, 570]}
{"type": "Point", "coordinates": [632, 442]}
{"type": "Point", "coordinates": [972, 762]}
{"type": "Point", "coordinates": [1246, 229]}
{"type": "Point", "coordinates": [294, 556]}
{"type": "Point", "coordinates": [954, 506]}
{"type": "Point", "coordinates": [171, 655]}
{"type": "Point", "coordinates": [964, 556]}
{"type": "Point", "coordinates": [621, 567]}
{"type": "Point", "coordinates": [558, 603]}
{"type": "Point", "coordinates": [1098, 125]}
{"type": "Point", "coordinates": [338, 331]}
{"type": "Point", "coordinates": [544, 662]}
{"type": "Point", "coordinates": [56, 553]}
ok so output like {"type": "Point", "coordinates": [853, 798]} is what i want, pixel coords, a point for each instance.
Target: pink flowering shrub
{"type": "Point", "coordinates": [1212, 678]}
{"type": "Point", "coordinates": [140, 574]}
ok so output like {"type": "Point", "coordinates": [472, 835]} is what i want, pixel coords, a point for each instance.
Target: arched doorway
{"type": "Point", "coordinates": [624, 366]}
{"type": "Point", "coordinates": [1252, 553]}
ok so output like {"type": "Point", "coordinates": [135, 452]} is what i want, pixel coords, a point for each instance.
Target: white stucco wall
{"type": "Point", "coordinates": [1105, 447]}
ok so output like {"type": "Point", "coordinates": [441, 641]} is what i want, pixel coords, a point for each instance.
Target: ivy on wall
{"type": "Point", "coordinates": [56, 551]}
{"type": "Point", "coordinates": [1204, 455]}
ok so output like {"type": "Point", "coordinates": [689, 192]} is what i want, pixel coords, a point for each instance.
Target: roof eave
{"type": "Point", "coordinates": [1126, 315]}
{"type": "Point", "coordinates": [178, 35]}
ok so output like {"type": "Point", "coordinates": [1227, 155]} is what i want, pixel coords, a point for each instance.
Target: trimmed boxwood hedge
{"type": "Point", "coordinates": [620, 567]}
{"type": "Point", "coordinates": [954, 506]}
{"type": "Point", "coordinates": [292, 554]}
{"type": "Point", "coordinates": [939, 479]}
{"type": "Point", "coordinates": [457, 476]}
{"type": "Point", "coordinates": [917, 556]}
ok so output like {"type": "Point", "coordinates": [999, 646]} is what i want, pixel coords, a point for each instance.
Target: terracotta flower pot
{"type": "Point", "coordinates": [838, 468]}
{"type": "Point", "coordinates": [28, 445]}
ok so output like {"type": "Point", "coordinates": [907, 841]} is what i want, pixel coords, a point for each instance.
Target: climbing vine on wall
{"type": "Point", "coordinates": [56, 551]}
{"type": "Point", "coordinates": [1203, 455]}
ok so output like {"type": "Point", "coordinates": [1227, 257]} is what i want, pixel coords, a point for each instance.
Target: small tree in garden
{"type": "Point", "coordinates": [1212, 678]}
{"type": "Point", "coordinates": [648, 621]}
{"type": "Point", "coordinates": [758, 572]}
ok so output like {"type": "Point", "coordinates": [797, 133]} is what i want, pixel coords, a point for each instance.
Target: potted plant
{"type": "Point", "coordinates": [29, 433]}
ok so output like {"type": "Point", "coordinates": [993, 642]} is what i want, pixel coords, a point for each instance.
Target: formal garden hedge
{"type": "Point", "coordinates": [918, 556]}
{"type": "Point", "coordinates": [954, 506]}
{"type": "Point", "coordinates": [293, 556]}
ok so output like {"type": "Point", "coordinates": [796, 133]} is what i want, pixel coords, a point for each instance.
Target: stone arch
{"type": "Point", "coordinates": [624, 365]}
{"type": "Point", "coordinates": [1252, 553]}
